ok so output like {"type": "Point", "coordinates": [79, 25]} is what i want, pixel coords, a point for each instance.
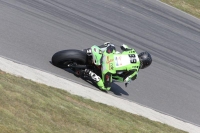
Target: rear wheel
{"type": "Point", "coordinates": [63, 58]}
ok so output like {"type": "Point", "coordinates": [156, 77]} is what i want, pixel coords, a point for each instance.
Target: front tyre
{"type": "Point", "coordinates": [63, 58]}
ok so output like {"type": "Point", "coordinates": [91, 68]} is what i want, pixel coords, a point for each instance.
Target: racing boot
{"type": "Point", "coordinates": [91, 74]}
{"type": "Point", "coordinates": [96, 79]}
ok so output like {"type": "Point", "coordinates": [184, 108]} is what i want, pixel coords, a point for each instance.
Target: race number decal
{"type": "Point", "coordinates": [132, 58]}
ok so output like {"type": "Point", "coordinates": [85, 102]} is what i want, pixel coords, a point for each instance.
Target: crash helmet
{"type": "Point", "coordinates": [145, 60]}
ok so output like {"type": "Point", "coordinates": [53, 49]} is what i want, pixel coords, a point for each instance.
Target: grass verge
{"type": "Point", "coordinates": [190, 6]}
{"type": "Point", "coordinates": [29, 107]}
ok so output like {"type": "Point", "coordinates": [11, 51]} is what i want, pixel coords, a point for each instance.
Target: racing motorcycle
{"type": "Point", "coordinates": [102, 63]}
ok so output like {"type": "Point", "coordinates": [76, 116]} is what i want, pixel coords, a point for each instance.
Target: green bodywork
{"type": "Point", "coordinates": [96, 55]}
{"type": "Point", "coordinates": [115, 62]}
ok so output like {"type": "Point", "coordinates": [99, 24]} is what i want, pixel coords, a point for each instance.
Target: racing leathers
{"type": "Point", "coordinates": [122, 67]}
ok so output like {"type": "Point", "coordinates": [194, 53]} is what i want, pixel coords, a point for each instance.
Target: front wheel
{"type": "Point", "coordinates": [63, 58]}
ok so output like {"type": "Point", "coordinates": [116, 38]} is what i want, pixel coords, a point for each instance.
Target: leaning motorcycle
{"type": "Point", "coordinates": [119, 65]}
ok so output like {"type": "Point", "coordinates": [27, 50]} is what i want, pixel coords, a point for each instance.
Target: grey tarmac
{"type": "Point", "coordinates": [31, 31]}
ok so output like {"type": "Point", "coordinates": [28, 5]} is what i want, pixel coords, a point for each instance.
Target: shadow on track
{"type": "Point", "coordinates": [115, 89]}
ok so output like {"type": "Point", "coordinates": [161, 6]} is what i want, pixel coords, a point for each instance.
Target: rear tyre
{"type": "Point", "coordinates": [63, 58]}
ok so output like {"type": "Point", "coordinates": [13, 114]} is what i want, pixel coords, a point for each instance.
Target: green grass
{"type": "Point", "coordinates": [190, 6]}
{"type": "Point", "coordinates": [29, 107]}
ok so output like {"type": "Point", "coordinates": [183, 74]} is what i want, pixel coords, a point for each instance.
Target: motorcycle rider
{"type": "Point", "coordinates": [122, 67]}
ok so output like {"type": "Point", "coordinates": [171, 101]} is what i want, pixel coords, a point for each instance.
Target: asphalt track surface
{"type": "Point", "coordinates": [31, 31]}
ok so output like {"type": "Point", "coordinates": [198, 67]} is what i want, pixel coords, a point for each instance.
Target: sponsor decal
{"type": "Point", "coordinates": [117, 64]}
{"type": "Point", "coordinates": [118, 61]}
{"type": "Point", "coordinates": [111, 66]}
{"type": "Point", "coordinates": [109, 62]}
